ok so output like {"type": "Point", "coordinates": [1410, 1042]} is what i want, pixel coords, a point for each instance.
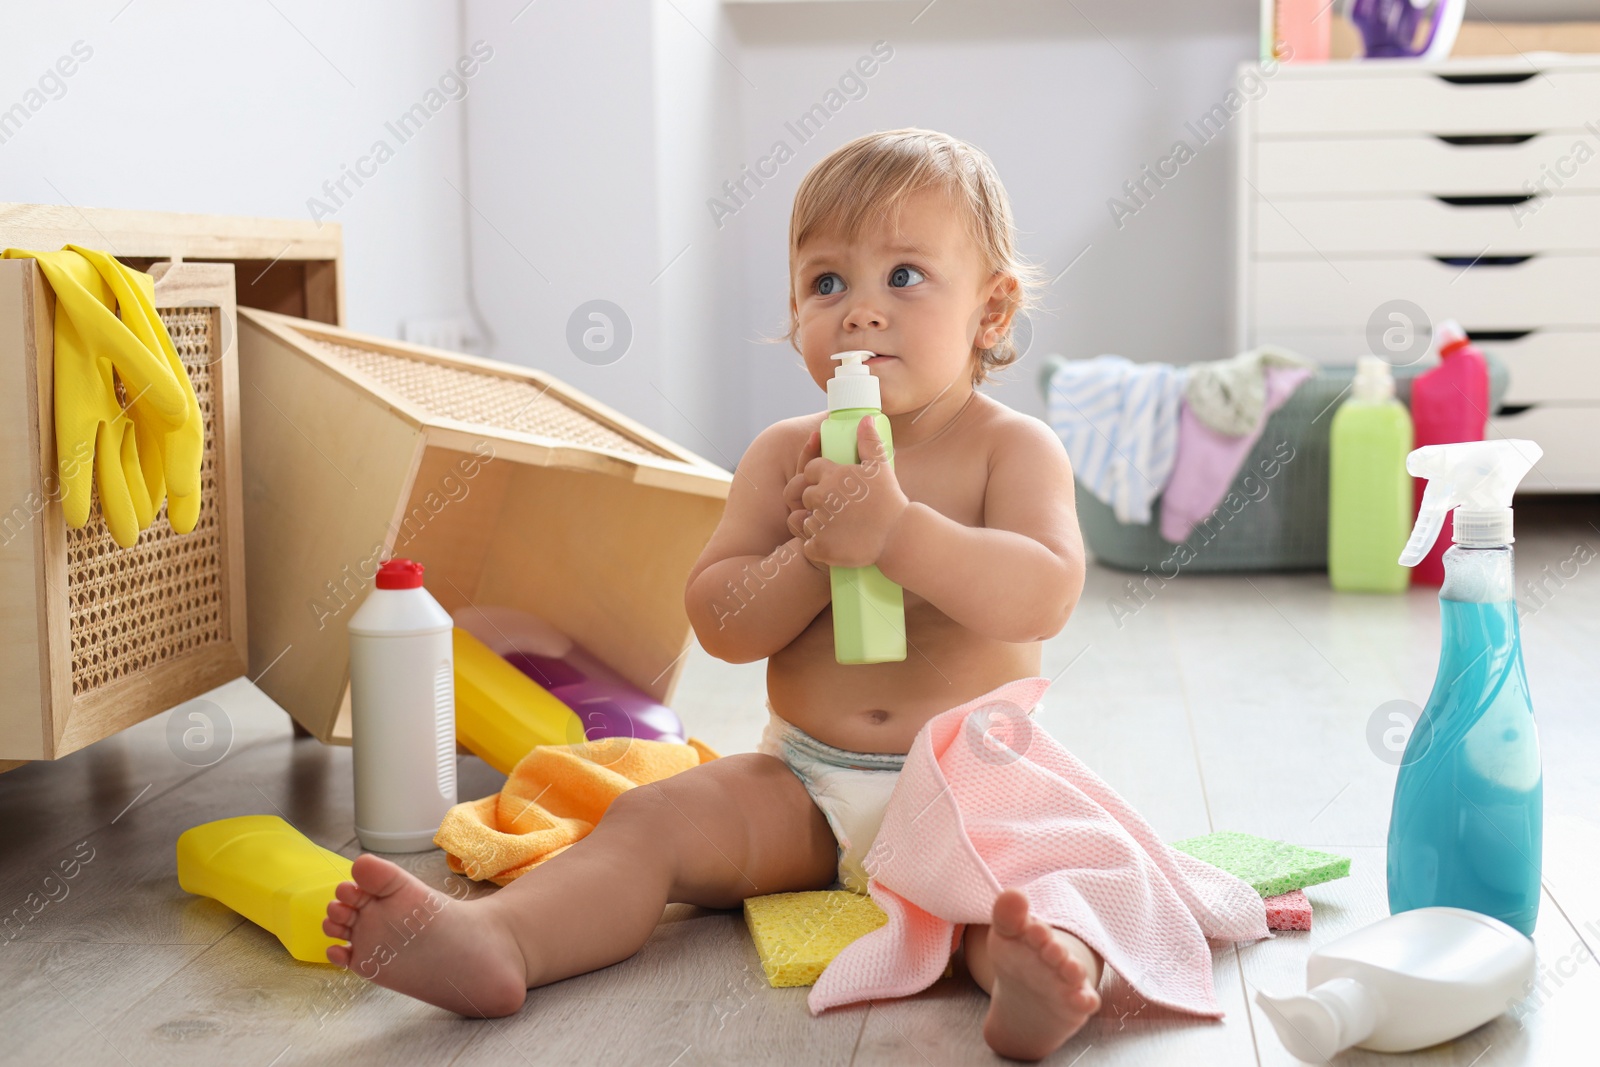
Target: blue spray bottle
{"type": "Point", "coordinates": [1466, 829]}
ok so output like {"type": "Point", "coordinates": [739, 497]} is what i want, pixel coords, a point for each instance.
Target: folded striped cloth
{"type": "Point", "coordinates": [1119, 422]}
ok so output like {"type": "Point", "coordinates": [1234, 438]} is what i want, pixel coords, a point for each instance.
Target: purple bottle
{"type": "Point", "coordinates": [605, 702]}
{"type": "Point", "coordinates": [1389, 28]}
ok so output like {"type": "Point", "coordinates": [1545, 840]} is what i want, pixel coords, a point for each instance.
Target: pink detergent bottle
{"type": "Point", "coordinates": [1449, 404]}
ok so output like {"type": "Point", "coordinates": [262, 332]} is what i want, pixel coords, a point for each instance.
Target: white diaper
{"type": "Point", "coordinates": [851, 788]}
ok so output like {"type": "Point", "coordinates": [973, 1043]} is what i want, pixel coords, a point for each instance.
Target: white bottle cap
{"type": "Point", "coordinates": [852, 384]}
{"type": "Point", "coordinates": [1329, 1019]}
{"type": "Point", "coordinates": [1447, 334]}
{"type": "Point", "coordinates": [1373, 383]}
{"type": "Point", "coordinates": [1482, 527]}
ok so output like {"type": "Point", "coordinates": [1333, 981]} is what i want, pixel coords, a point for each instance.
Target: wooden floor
{"type": "Point", "coordinates": [1220, 703]}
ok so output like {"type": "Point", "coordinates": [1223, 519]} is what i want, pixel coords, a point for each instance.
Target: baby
{"type": "Point", "coordinates": [900, 243]}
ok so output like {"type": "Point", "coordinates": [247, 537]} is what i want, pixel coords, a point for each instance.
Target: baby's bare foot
{"type": "Point", "coordinates": [1042, 994]}
{"type": "Point", "coordinates": [409, 938]}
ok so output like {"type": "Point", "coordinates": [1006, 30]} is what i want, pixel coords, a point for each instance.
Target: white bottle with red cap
{"type": "Point", "coordinates": [403, 712]}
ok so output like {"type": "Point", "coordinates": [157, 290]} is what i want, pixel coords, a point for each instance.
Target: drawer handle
{"type": "Point", "coordinates": [1514, 409]}
{"type": "Point", "coordinates": [1499, 336]}
{"type": "Point", "coordinates": [1506, 200]}
{"type": "Point", "coordinates": [1480, 140]}
{"type": "Point", "coordinates": [1507, 78]}
{"type": "Point", "coordinates": [1483, 261]}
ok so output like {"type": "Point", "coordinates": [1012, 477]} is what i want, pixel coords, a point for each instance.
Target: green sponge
{"type": "Point", "coordinates": [1270, 867]}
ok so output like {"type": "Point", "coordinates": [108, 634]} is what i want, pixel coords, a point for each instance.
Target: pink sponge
{"type": "Point", "coordinates": [1288, 911]}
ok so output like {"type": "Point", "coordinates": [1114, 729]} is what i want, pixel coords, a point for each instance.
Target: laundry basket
{"type": "Point", "coordinates": [1283, 522]}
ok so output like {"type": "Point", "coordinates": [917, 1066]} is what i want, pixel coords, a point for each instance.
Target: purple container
{"type": "Point", "coordinates": [606, 704]}
{"type": "Point", "coordinates": [1389, 28]}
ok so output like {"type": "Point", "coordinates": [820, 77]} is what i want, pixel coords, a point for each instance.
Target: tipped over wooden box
{"type": "Point", "coordinates": [326, 452]}
{"type": "Point", "coordinates": [510, 488]}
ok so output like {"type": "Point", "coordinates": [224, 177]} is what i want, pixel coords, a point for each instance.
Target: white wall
{"type": "Point", "coordinates": [241, 109]}
{"type": "Point", "coordinates": [598, 130]}
{"type": "Point", "coordinates": [561, 162]}
{"type": "Point", "coordinates": [1067, 116]}
{"type": "Point", "coordinates": [700, 141]}
{"type": "Point", "coordinates": [596, 133]}
{"type": "Point", "coordinates": [597, 143]}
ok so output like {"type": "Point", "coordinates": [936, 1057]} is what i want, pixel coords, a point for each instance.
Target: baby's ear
{"type": "Point", "coordinates": [1001, 310]}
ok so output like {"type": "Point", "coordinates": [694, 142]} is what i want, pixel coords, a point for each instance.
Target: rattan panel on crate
{"type": "Point", "coordinates": [484, 399]}
{"type": "Point", "coordinates": [134, 608]}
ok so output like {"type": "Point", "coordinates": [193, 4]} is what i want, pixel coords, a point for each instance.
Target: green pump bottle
{"type": "Point", "coordinates": [869, 615]}
{"type": "Point", "coordinates": [1369, 491]}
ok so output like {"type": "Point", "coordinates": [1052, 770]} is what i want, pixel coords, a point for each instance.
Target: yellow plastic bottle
{"type": "Point", "coordinates": [501, 713]}
{"type": "Point", "coordinates": [270, 873]}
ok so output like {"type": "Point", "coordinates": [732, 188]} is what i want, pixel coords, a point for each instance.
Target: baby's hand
{"type": "Point", "coordinates": [791, 492]}
{"type": "Point", "coordinates": [852, 508]}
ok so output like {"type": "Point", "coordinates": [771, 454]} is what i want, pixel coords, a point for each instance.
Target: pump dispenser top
{"type": "Point", "coordinates": [852, 384]}
{"type": "Point", "coordinates": [1403, 983]}
{"type": "Point", "coordinates": [1374, 382]}
{"type": "Point", "coordinates": [1477, 478]}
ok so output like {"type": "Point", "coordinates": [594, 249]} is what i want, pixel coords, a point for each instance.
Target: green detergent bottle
{"type": "Point", "coordinates": [869, 615]}
{"type": "Point", "coordinates": [1369, 491]}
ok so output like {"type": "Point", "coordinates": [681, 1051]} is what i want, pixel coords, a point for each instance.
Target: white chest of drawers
{"type": "Point", "coordinates": [1468, 189]}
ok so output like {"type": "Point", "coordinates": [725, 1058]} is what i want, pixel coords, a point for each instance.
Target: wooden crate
{"type": "Point", "coordinates": [95, 637]}
{"type": "Point", "coordinates": [291, 266]}
{"type": "Point", "coordinates": [509, 487]}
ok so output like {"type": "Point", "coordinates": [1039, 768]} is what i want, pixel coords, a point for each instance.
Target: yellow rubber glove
{"type": "Point", "coordinates": [177, 473]}
{"type": "Point", "coordinates": [138, 452]}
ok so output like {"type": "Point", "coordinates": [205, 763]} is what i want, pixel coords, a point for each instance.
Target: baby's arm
{"type": "Point", "coordinates": [746, 598]}
{"type": "Point", "coordinates": [1016, 578]}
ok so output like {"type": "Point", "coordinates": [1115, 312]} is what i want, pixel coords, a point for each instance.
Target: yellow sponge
{"type": "Point", "coordinates": [798, 934]}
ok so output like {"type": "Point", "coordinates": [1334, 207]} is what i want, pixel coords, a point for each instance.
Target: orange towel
{"type": "Point", "coordinates": [552, 799]}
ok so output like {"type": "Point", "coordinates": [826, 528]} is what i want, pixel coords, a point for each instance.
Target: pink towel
{"type": "Point", "coordinates": [988, 801]}
{"type": "Point", "coordinates": [1208, 461]}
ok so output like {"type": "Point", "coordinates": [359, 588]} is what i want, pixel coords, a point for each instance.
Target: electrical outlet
{"type": "Point", "coordinates": [448, 332]}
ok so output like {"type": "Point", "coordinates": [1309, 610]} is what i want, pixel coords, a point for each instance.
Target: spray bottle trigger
{"type": "Point", "coordinates": [1430, 520]}
{"type": "Point", "coordinates": [1477, 475]}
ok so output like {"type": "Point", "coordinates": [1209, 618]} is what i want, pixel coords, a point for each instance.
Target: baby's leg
{"type": "Point", "coordinates": [738, 826]}
{"type": "Point", "coordinates": [1042, 980]}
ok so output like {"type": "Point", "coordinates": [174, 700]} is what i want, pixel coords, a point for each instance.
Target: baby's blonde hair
{"type": "Point", "coordinates": [868, 179]}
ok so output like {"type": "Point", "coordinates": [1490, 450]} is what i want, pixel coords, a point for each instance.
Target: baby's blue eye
{"type": "Point", "coordinates": [823, 287]}
{"type": "Point", "coordinates": [903, 276]}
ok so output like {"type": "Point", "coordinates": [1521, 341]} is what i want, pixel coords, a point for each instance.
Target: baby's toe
{"type": "Point", "coordinates": [1010, 914]}
{"type": "Point", "coordinates": [1039, 935]}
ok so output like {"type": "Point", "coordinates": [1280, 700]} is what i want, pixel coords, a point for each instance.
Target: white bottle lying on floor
{"type": "Point", "coordinates": [1405, 982]}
